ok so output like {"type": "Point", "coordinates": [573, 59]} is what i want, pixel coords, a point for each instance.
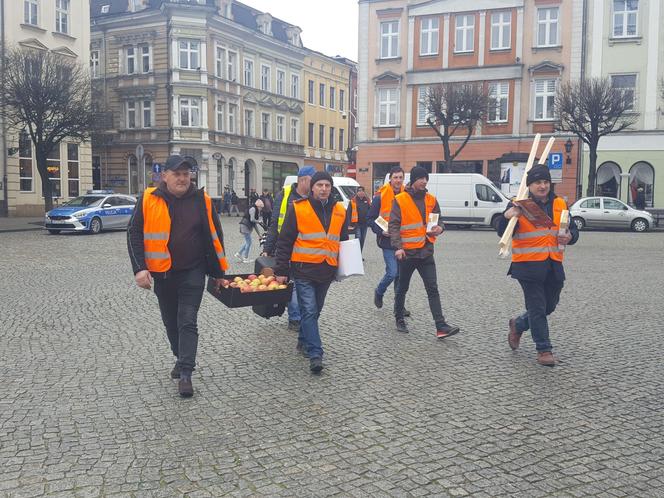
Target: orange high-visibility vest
{"type": "Point", "coordinates": [386, 200]}
{"type": "Point", "coordinates": [313, 245]}
{"type": "Point", "coordinates": [157, 231]}
{"type": "Point", "coordinates": [353, 211]}
{"type": "Point", "coordinates": [530, 243]}
{"type": "Point", "coordinates": [413, 228]}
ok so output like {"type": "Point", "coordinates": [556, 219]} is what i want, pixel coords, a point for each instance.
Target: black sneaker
{"type": "Point", "coordinates": [316, 365]}
{"type": "Point", "coordinates": [401, 326]}
{"type": "Point", "coordinates": [378, 300]}
{"type": "Point", "coordinates": [175, 373]}
{"type": "Point", "coordinates": [294, 325]}
{"type": "Point", "coordinates": [185, 388]}
{"type": "Point", "coordinates": [446, 330]}
{"type": "Point", "coordinates": [302, 349]}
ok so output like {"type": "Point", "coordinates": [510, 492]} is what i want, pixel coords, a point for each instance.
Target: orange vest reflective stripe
{"type": "Point", "coordinates": [157, 230]}
{"type": "Point", "coordinates": [530, 243]}
{"type": "Point", "coordinates": [386, 200]}
{"type": "Point", "coordinates": [353, 212]}
{"type": "Point", "coordinates": [413, 229]}
{"type": "Point", "coordinates": [313, 245]}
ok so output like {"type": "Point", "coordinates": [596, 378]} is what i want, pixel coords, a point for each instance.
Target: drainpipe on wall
{"type": "Point", "coordinates": [584, 48]}
{"type": "Point", "coordinates": [4, 208]}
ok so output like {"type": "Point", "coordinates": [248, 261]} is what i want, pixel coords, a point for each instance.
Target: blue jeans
{"type": "Point", "coordinates": [361, 233]}
{"type": "Point", "coordinates": [311, 297]}
{"type": "Point", "coordinates": [294, 309]}
{"type": "Point", "coordinates": [541, 300]}
{"type": "Point", "coordinates": [244, 249]}
{"type": "Point", "coordinates": [391, 272]}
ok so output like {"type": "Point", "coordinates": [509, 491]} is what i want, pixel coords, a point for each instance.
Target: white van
{"type": "Point", "coordinates": [344, 187]}
{"type": "Point", "coordinates": [466, 199]}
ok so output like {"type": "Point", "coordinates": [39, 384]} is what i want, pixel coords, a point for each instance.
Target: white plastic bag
{"type": "Point", "coordinates": [350, 259]}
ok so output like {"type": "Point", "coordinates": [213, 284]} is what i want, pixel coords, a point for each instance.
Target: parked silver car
{"type": "Point", "coordinates": [608, 212]}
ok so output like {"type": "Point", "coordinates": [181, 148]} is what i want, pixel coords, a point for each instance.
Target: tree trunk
{"type": "Point", "coordinates": [447, 154]}
{"type": "Point", "coordinates": [47, 188]}
{"type": "Point", "coordinates": [592, 171]}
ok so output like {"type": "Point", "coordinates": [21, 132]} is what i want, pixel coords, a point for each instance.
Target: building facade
{"type": "Point", "coordinates": [625, 42]}
{"type": "Point", "coordinates": [60, 26]}
{"type": "Point", "coordinates": [212, 79]}
{"type": "Point", "coordinates": [520, 51]}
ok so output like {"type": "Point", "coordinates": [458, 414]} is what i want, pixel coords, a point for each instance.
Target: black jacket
{"type": "Point", "coordinates": [395, 225]}
{"type": "Point", "coordinates": [272, 233]}
{"type": "Point", "coordinates": [322, 272]}
{"type": "Point", "coordinates": [374, 212]}
{"type": "Point", "coordinates": [362, 212]}
{"type": "Point", "coordinates": [538, 270]}
{"type": "Point", "coordinates": [206, 248]}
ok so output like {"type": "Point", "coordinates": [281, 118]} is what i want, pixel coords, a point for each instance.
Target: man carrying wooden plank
{"type": "Point", "coordinates": [537, 262]}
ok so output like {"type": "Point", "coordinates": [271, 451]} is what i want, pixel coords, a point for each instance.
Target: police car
{"type": "Point", "coordinates": [93, 212]}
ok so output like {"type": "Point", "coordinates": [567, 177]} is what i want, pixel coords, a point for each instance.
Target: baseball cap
{"type": "Point", "coordinates": [176, 161]}
{"type": "Point", "coordinates": [306, 171]}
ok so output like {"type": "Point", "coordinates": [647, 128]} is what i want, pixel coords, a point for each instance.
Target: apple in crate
{"type": "Point", "coordinates": [281, 280]}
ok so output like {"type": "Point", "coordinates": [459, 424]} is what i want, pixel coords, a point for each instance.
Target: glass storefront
{"type": "Point", "coordinates": [274, 174]}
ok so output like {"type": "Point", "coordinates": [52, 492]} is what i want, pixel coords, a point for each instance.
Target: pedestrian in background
{"type": "Point", "coordinates": [226, 199]}
{"type": "Point", "coordinates": [234, 202]}
{"type": "Point", "coordinates": [413, 242]}
{"type": "Point", "coordinates": [640, 201]}
{"type": "Point", "coordinates": [247, 225]}
{"type": "Point", "coordinates": [253, 196]}
{"type": "Point", "coordinates": [308, 245]}
{"type": "Point", "coordinates": [358, 209]}
{"type": "Point", "coordinates": [283, 201]}
{"type": "Point", "coordinates": [268, 203]}
{"type": "Point", "coordinates": [537, 263]}
{"type": "Point", "coordinates": [174, 238]}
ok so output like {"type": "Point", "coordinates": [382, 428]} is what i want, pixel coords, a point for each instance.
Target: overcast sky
{"type": "Point", "coordinates": [328, 26]}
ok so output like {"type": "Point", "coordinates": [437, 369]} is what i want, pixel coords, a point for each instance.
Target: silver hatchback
{"type": "Point", "coordinates": [608, 212]}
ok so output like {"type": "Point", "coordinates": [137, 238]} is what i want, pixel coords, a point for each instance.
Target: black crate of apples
{"type": "Point", "coordinates": [237, 291]}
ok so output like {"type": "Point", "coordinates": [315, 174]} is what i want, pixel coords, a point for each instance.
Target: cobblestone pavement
{"type": "Point", "coordinates": [88, 409]}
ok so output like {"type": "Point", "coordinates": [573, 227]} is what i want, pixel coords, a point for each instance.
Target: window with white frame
{"type": "Point", "coordinates": [147, 113]}
{"type": "Point", "coordinates": [342, 100]}
{"type": "Point", "coordinates": [333, 97]}
{"type": "Point", "coordinates": [422, 105]}
{"type": "Point", "coordinates": [220, 62]}
{"type": "Point", "coordinates": [26, 174]}
{"type": "Point", "coordinates": [190, 54]}
{"type": "Point", "coordinates": [146, 58]}
{"type": "Point", "coordinates": [330, 144]}
{"type": "Point", "coordinates": [73, 177]}
{"type": "Point", "coordinates": [388, 106]}
{"type": "Point", "coordinates": [625, 84]}
{"type": "Point", "coordinates": [249, 72]}
{"type": "Point", "coordinates": [130, 60]}
{"type": "Point", "coordinates": [190, 111]}
{"type": "Point", "coordinates": [30, 12]}
{"type": "Point", "coordinates": [131, 114]}
{"type": "Point", "coordinates": [231, 66]}
{"type": "Point", "coordinates": [249, 122]}
{"type": "Point", "coordinates": [295, 86]}
{"type": "Point", "coordinates": [547, 27]}
{"type": "Point", "coordinates": [94, 63]}
{"type": "Point", "coordinates": [266, 127]}
{"type": "Point", "coordinates": [311, 92]}
{"type": "Point", "coordinates": [429, 30]}
{"type": "Point", "coordinates": [464, 33]}
{"type": "Point", "coordinates": [389, 39]}
{"type": "Point", "coordinates": [294, 130]}
{"type": "Point", "coordinates": [310, 135]}
{"type": "Point", "coordinates": [281, 120]}
{"type": "Point", "coordinates": [545, 96]}
{"type": "Point", "coordinates": [342, 138]}
{"type": "Point", "coordinates": [281, 82]}
{"type": "Point", "coordinates": [54, 169]}
{"type": "Point", "coordinates": [221, 112]}
{"type": "Point", "coordinates": [139, 113]}
{"type": "Point", "coordinates": [501, 30]}
{"type": "Point", "coordinates": [232, 118]}
{"type": "Point", "coordinates": [499, 93]}
{"type": "Point", "coordinates": [625, 17]}
{"type": "Point", "coordinates": [321, 94]}
{"type": "Point", "coordinates": [321, 136]}
{"type": "Point", "coordinates": [62, 16]}
{"type": "Point", "coordinates": [266, 76]}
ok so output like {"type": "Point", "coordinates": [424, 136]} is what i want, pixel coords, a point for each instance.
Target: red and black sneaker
{"type": "Point", "coordinates": [446, 330]}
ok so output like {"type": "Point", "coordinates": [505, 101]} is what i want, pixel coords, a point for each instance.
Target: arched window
{"type": "Point", "coordinates": [642, 175]}
{"type": "Point", "coordinates": [608, 180]}
{"type": "Point", "coordinates": [220, 176]}
{"type": "Point", "coordinates": [147, 171]}
{"type": "Point", "coordinates": [231, 173]}
{"type": "Point", "coordinates": [132, 163]}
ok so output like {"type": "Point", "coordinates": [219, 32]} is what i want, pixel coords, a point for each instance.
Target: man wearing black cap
{"type": "Point", "coordinates": [308, 249]}
{"type": "Point", "coordinates": [175, 238]}
{"type": "Point", "coordinates": [413, 242]}
{"type": "Point", "coordinates": [537, 263]}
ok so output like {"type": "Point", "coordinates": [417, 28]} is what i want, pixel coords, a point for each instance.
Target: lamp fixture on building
{"type": "Point", "coordinates": [568, 150]}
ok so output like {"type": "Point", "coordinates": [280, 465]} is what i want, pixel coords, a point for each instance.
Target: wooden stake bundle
{"type": "Point", "coordinates": [505, 243]}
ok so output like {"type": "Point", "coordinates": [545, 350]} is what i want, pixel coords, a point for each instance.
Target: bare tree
{"type": "Point", "coordinates": [452, 108]}
{"type": "Point", "coordinates": [48, 96]}
{"type": "Point", "coordinates": [591, 109]}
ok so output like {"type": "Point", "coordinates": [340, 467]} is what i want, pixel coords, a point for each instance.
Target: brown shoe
{"type": "Point", "coordinates": [185, 388]}
{"type": "Point", "coordinates": [513, 337]}
{"type": "Point", "coordinates": [546, 358]}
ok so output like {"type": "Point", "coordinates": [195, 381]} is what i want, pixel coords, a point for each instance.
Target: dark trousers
{"type": "Point", "coordinates": [361, 233]}
{"type": "Point", "coordinates": [427, 269]}
{"type": "Point", "coordinates": [267, 217]}
{"type": "Point", "coordinates": [180, 296]}
{"type": "Point", "coordinates": [541, 300]}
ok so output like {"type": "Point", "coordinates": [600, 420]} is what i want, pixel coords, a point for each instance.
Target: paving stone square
{"type": "Point", "coordinates": [88, 408]}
